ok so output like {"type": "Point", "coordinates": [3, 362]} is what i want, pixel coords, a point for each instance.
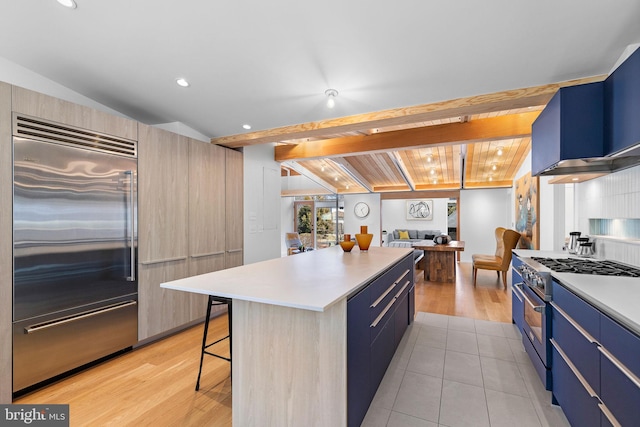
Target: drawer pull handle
{"type": "Point", "coordinates": [401, 277]}
{"type": "Point", "coordinates": [232, 251]}
{"type": "Point", "coordinates": [575, 371]}
{"type": "Point", "coordinates": [381, 297]}
{"type": "Point", "coordinates": [618, 364]}
{"type": "Point", "coordinates": [207, 254]}
{"type": "Point", "coordinates": [607, 413]}
{"type": "Point", "coordinates": [573, 323]}
{"type": "Point", "coordinates": [381, 315]}
{"type": "Point", "coordinates": [517, 288]}
{"type": "Point", "coordinates": [160, 261]}
{"type": "Point", "coordinates": [402, 290]}
{"type": "Point", "coordinates": [63, 320]}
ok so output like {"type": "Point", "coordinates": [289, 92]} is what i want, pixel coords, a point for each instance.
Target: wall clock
{"type": "Point", "coordinates": [361, 209]}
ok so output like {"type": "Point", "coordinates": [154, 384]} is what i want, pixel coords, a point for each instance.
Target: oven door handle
{"type": "Point", "coordinates": [517, 288]}
{"type": "Point", "coordinates": [538, 308]}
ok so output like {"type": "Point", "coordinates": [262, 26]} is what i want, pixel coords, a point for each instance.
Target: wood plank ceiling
{"type": "Point", "coordinates": [476, 142]}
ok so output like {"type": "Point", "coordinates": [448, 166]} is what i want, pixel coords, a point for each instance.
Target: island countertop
{"type": "Point", "coordinates": [312, 280]}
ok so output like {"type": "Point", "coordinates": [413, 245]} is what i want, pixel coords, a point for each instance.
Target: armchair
{"type": "Point", "coordinates": [506, 240]}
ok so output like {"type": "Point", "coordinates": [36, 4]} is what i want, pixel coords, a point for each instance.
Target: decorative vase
{"type": "Point", "coordinates": [364, 239]}
{"type": "Point", "coordinates": [347, 245]}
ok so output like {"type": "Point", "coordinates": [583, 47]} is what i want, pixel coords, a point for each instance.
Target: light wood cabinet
{"type": "Point", "coordinates": [163, 182]}
{"type": "Point", "coordinates": [47, 107]}
{"type": "Point", "coordinates": [187, 223]}
{"type": "Point", "coordinates": [234, 209]}
{"type": "Point", "coordinates": [6, 243]}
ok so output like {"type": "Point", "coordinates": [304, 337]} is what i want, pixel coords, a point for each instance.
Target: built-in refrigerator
{"type": "Point", "coordinates": [74, 235]}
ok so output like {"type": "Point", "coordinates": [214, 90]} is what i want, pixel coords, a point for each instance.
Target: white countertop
{"type": "Point", "coordinates": [310, 280]}
{"type": "Point", "coordinates": [617, 297]}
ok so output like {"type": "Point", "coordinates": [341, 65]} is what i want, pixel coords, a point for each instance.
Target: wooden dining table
{"type": "Point", "coordinates": [439, 260]}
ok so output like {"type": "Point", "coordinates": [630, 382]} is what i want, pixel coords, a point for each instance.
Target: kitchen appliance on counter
{"type": "Point", "coordinates": [573, 241]}
{"type": "Point", "coordinates": [74, 212]}
{"type": "Point", "coordinates": [535, 287]}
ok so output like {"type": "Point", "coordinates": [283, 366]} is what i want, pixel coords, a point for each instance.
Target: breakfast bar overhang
{"type": "Point", "coordinates": [290, 329]}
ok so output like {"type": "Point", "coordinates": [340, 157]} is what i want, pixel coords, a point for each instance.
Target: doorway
{"type": "Point", "coordinates": [319, 222]}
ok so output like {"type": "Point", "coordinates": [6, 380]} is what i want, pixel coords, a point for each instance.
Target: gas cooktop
{"type": "Point", "coordinates": [588, 266]}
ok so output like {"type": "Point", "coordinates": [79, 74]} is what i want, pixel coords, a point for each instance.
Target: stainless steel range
{"type": "Point", "coordinates": [532, 294]}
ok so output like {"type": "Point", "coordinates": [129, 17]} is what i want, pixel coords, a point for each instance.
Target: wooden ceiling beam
{"type": "Point", "coordinates": [491, 129]}
{"type": "Point", "coordinates": [499, 101]}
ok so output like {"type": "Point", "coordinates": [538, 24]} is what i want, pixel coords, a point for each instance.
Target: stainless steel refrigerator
{"type": "Point", "coordinates": [74, 215]}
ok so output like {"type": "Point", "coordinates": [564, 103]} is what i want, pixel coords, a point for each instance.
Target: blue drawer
{"type": "Point", "coordinates": [578, 345]}
{"type": "Point", "coordinates": [579, 310]}
{"type": "Point", "coordinates": [576, 402]}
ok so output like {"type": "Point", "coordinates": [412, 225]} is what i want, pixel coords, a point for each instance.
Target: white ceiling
{"type": "Point", "coordinates": [268, 63]}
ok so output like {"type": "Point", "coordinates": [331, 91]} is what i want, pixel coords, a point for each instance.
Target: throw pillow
{"type": "Point", "coordinates": [404, 235]}
{"type": "Point", "coordinates": [429, 236]}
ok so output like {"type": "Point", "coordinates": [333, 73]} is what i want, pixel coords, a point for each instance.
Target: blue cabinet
{"type": "Point", "coordinates": [620, 366]}
{"type": "Point", "coordinates": [622, 105]}
{"type": "Point", "coordinates": [580, 408]}
{"type": "Point", "coordinates": [377, 318]}
{"type": "Point", "coordinates": [596, 368]}
{"type": "Point", "coordinates": [570, 127]}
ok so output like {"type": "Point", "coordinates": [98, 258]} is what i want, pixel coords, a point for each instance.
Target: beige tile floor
{"type": "Point", "coordinates": [460, 372]}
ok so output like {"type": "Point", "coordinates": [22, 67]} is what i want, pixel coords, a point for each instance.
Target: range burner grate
{"type": "Point", "coordinates": [584, 266]}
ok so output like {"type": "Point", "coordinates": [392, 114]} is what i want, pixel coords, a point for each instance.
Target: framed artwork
{"type": "Point", "coordinates": [420, 209]}
{"type": "Point", "coordinates": [527, 209]}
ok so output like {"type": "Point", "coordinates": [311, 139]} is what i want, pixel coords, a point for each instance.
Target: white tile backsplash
{"type": "Point", "coordinates": [616, 195]}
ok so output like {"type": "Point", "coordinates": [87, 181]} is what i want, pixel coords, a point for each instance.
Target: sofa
{"type": "Point", "coordinates": [394, 240]}
{"type": "Point", "coordinates": [414, 235]}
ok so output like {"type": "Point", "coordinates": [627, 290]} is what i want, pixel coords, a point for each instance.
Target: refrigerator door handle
{"type": "Point", "coordinates": [132, 276]}
{"type": "Point", "coordinates": [56, 322]}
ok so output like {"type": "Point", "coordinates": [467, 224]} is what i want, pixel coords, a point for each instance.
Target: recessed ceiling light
{"type": "Point", "coordinates": [494, 167]}
{"type": "Point", "coordinates": [500, 151]}
{"type": "Point", "coordinates": [182, 82]}
{"type": "Point", "coordinates": [575, 179]}
{"type": "Point", "coordinates": [246, 126]}
{"type": "Point", "coordinates": [71, 4]}
{"type": "Point", "coordinates": [335, 179]}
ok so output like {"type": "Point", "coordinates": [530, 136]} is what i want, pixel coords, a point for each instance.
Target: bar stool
{"type": "Point", "coordinates": [213, 301]}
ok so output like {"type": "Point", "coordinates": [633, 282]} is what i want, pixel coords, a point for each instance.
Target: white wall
{"type": "Point", "coordinates": [481, 211]}
{"type": "Point", "coordinates": [394, 216]}
{"type": "Point", "coordinates": [612, 196]}
{"type": "Point", "coordinates": [17, 75]}
{"type": "Point", "coordinates": [372, 221]}
{"type": "Point", "coordinates": [262, 222]}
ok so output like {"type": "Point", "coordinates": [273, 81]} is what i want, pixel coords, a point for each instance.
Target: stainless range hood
{"type": "Point", "coordinates": [608, 164]}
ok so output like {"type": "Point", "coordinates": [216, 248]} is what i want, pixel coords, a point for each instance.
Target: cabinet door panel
{"type": "Point", "coordinates": [358, 353]}
{"type": "Point", "coordinates": [159, 309]}
{"type": "Point", "coordinates": [206, 207]}
{"type": "Point", "coordinates": [163, 177]}
{"type": "Point", "coordinates": [583, 353]}
{"type": "Point", "coordinates": [618, 392]}
{"type": "Point", "coordinates": [234, 209]}
{"type": "Point", "coordinates": [579, 407]}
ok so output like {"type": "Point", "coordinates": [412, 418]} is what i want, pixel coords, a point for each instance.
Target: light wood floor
{"type": "Point", "coordinates": [155, 385]}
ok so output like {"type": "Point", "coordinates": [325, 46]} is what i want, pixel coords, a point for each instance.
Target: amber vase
{"type": "Point", "coordinates": [347, 244]}
{"type": "Point", "coordinates": [364, 239]}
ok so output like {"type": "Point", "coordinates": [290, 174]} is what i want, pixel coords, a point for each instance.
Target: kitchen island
{"type": "Point", "coordinates": [290, 328]}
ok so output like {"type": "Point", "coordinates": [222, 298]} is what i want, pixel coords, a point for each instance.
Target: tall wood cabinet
{"type": "Point", "coordinates": [163, 183]}
{"type": "Point", "coordinates": [234, 209]}
{"type": "Point", "coordinates": [183, 223]}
